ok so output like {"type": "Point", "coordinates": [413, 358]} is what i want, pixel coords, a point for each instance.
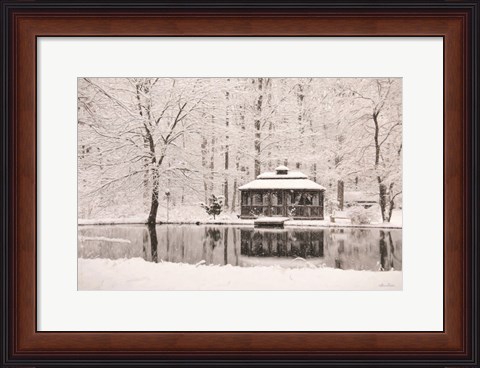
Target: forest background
{"type": "Point", "coordinates": [141, 138]}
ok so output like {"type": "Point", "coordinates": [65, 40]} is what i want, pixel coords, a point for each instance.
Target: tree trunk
{"type": "Point", "coordinates": [340, 194]}
{"type": "Point", "coordinates": [152, 217]}
{"type": "Point", "coordinates": [300, 118]}
{"type": "Point", "coordinates": [383, 199]}
{"type": "Point", "coordinates": [391, 202]}
{"type": "Point", "coordinates": [203, 147]}
{"type": "Point", "coordinates": [269, 153]}
{"type": "Point", "coordinates": [225, 192]}
{"type": "Point", "coordinates": [234, 195]}
{"type": "Point", "coordinates": [235, 183]}
{"type": "Point", "coordinates": [258, 127]}
{"type": "Point", "coordinates": [225, 183]}
{"type": "Point", "coordinates": [390, 210]}
{"type": "Point", "coordinates": [314, 172]}
{"type": "Point", "coordinates": [382, 188]}
{"type": "Point", "coordinates": [257, 165]}
{"type": "Point", "coordinates": [146, 161]}
{"type": "Point", "coordinates": [212, 163]}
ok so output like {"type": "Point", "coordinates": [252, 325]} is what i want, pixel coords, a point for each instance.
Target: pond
{"type": "Point", "coordinates": [342, 248]}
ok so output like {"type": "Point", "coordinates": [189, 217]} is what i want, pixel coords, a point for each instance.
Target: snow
{"type": "Point", "coordinates": [286, 183]}
{"type": "Point", "coordinates": [138, 274]}
{"type": "Point", "coordinates": [359, 196]}
{"type": "Point", "coordinates": [103, 238]}
{"type": "Point", "coordinates": [134, 220]}
{"type": "Point", "coordinates": [397, 218]}
{"type": "Point", "coordinates": [297, 262]}
{"type": "Point", "coordinates": [273, 220]}
{"type": "Point", "coordinates": [289, 175]}
{"type": "Point", "coordinates": [185, 217]}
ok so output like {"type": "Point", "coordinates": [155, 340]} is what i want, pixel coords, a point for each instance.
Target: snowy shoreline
{"type": "Point", "coordinates": [138, 274]}
{"type": "Point", "coordinates": [289, 223]}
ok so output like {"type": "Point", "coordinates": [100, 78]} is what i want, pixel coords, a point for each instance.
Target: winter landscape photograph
{"type": "Point", "coordinates": [251, 183]}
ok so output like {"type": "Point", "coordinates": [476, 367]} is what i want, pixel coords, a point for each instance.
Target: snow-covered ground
{"type": "Point", "coordinates": [138, 274]}
{"type": "Point", "coordinates": [103, 238]}
{"type": "Point", "coordinates": [199, 217]}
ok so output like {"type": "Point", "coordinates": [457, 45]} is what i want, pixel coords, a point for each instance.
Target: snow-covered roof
{"type": "Point", "coordinates": [288, 175]}
{"type": "Point", "coordinates": [304, 184]}
{"type": "Point", "coordinates": [281, 180]}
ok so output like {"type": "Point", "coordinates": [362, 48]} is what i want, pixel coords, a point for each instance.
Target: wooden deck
{"type": "Point", "coordinates": [270, 221]}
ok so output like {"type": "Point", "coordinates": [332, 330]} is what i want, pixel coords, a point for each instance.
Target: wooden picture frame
{"type": "Point", "coordinates": [456, 21]}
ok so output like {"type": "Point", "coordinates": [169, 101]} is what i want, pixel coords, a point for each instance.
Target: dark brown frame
{"type": "Point", "coordinates": [456, 22]}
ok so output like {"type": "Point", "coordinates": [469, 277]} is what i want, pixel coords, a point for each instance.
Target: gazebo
{"type": "Point", "coordinates": [282, 193]}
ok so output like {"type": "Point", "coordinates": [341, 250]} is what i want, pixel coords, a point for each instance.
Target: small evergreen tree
{"type": "Point", "coordinates": [215, 207]}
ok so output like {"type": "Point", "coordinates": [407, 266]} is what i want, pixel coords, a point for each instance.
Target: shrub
{"type": "Point", "coordinates": [359, 215]}
{"type": "Point", "coordinates": [215, 207]}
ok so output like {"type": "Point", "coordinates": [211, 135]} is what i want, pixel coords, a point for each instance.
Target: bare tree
{"type": "Point", "coordinates": [145, 135]}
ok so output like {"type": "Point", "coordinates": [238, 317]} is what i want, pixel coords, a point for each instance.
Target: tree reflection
{"type": "Point", "coordinates": [152, 234]}
{"type": "Point", "coordinates": [386, 250]}
{"type": "Point", "coordinates": [212, 238]}
{"type": "Point", "coordinates": [340, 257]}
{"type": "Point", "coordinates": [225, 246]}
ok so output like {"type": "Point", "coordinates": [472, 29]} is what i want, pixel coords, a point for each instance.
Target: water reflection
{"type": "Point", "coordinates": [151, 239]}
{"type": "Point", "coordinates": [342, 248]}
{"type": "Point", "coordinates": [281, 243]}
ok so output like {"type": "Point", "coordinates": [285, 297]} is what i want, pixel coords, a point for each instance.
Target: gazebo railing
{"type": "Point", "coordinates": [292, 211]}
{"type": "Point", "coordinates": [255, 211]}
{"type": "Point", "coordinates": [305, 211]}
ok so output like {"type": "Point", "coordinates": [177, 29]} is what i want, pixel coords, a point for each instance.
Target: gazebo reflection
{"type": "Point", "coordinates": [281, 243]}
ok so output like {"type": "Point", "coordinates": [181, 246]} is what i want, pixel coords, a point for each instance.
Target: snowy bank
{"type": "Point", "coordinates": [232, 219]}
{"type": "Point", "coordinates": [195, 215]}
{"type": "Point", "coordinates": [138, 274]}
{"type": "Point", "coordinates": [239, 222]}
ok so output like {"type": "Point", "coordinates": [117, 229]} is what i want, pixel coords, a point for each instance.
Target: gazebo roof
{"type": "Point", "coordinates": [282, 178]}
{"type": "Point", "coordinates": [288, 175]}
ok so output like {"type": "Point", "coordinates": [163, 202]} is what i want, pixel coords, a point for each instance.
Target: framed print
{"type": "Point", "coordinates": [240, 183]}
